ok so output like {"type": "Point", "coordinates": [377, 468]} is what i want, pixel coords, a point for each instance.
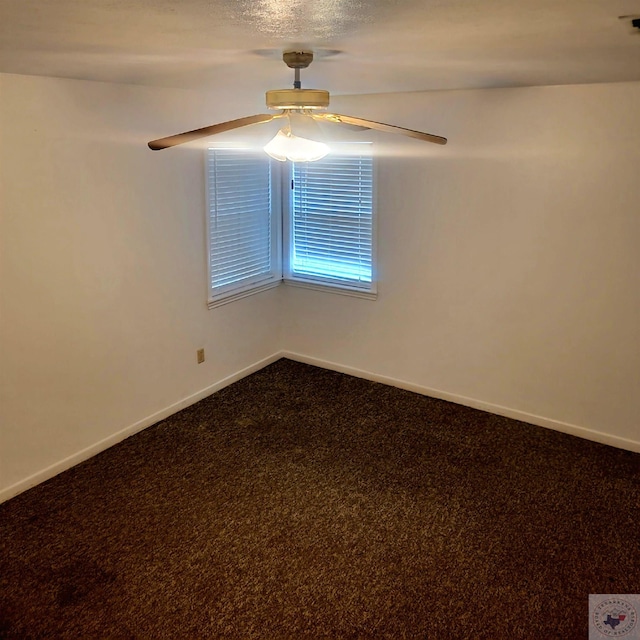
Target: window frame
{"type": "Point", "coordinates": [217, 296]}
{"type": "Point", "coordinates": [281, 236]}
{"type": "Point", "coordinates": [322, 282]}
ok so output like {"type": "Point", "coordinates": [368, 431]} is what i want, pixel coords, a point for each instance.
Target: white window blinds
{"type": "Point", "coordinates": [331, 226]}
{"type": "Point", "coordinates": [241, 224]}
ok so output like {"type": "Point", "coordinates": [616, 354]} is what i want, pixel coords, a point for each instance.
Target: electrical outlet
{"type": "Point", "coordinates": [200, 354]}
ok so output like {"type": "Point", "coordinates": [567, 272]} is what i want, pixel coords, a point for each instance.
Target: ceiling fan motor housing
{"type": "Point", "coordinates": [297, 99]}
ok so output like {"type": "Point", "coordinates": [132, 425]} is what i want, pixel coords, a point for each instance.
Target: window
{"type": "Point", "coordinates": [330, 222]}
{"type": "Point", "coordinates": [243, 232]}
{"type": "Point", "coordinates": [327, 216]}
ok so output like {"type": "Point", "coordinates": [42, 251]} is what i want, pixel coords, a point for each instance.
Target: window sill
{"type": "Point", "coordinates": [343, 291]}
{"type": "Point", "coordinates": [352, 292]}
{"type": "Point", "coordinates": [238, 295]}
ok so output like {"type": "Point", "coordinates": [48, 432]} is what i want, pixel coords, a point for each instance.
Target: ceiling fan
{"type": "Point", "coordinates": [301, 109]}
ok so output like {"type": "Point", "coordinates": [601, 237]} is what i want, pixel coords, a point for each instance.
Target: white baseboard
{"type": "Point", "coordinates": [94, 449]}
{"type": "Point", "coordinates": [85, 454]}
{"type": "Point", "coordinates": [540, 421]}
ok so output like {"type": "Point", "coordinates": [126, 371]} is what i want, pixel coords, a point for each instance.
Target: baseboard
{"type": "Point", "coordinates": [85, 454]}
{"type": "Point", "coordinates": [98, 447]}
{"type": "Point", "coordinates": [540, 421]}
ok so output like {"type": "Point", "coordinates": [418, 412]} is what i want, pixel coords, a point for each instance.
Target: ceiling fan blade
{"type": "Point", "coordinates": [188, 136]}
{"type": "Point", "coordinates": [331, 117]}
{"type": "Point", "coordinates": [389, 128]}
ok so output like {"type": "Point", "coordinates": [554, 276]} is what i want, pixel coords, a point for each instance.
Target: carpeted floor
{"type": "Point", "coordinates": [303, 503]}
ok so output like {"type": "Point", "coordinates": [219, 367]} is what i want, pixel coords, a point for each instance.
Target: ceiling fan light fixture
{"type": "Point", "coordinates": [300, 140]}
{"type": "Point", "coordinates": [287, 146]}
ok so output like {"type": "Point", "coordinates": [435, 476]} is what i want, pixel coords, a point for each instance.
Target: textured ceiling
{"type": "Point", "coordinates": [361, 46]}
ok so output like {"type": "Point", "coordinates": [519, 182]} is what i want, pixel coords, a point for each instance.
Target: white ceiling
{"type": "Point", "coordinates": [362, 46]}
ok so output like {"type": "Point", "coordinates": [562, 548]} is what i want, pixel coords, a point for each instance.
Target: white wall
{"type": "Point", "coordinates": [103, 271]}
{"type": "Point", "coordinates": [509, 264]}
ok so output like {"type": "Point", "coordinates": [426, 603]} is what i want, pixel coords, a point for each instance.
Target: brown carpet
{"type": "Point", "coordinates": [303, 503]}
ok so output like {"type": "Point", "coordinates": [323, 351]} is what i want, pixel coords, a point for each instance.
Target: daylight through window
{"type": "Point", "coordinates": [324, 211]}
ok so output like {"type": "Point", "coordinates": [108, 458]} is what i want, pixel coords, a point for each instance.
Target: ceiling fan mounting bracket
{"type": "Point", "coordinates": [297, 59]}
